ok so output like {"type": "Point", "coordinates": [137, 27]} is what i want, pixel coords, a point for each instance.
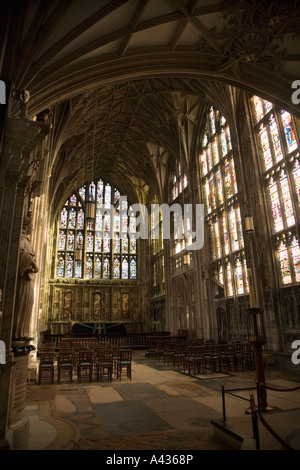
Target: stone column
{"type": "Point", "coordinates": [22, 138]}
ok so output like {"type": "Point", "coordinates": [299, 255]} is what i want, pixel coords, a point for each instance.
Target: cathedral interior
{"type": "Point", "coordinates": [116, 105]}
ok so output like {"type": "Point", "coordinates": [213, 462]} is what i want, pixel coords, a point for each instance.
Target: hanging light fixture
{"type": "Point", "coordinates": [186, 259]}
{"type": "Point", "coordinates": [249, 227]}
{"type": "Point", "coordinates": [90, 208]}
{"type": "Point", "coordinates": [78, 254]}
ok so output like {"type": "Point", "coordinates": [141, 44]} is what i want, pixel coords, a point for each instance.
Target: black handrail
{"type": "Point", "coordinates": [252, 408]}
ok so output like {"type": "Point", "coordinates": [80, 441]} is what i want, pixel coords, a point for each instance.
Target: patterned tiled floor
{"type": "Point", "coordinates": [160, 409]}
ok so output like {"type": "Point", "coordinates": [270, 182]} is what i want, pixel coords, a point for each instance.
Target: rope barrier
{"type": "Point", "coordinates": [267, 426]}
{"type": "Point", "coordinates": [279, 389]}
{"type": "Point", "coordinates": [279, 439]}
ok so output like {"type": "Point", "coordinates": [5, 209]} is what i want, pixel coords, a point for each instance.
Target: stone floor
{"type": "Point", "coordinates": [159, 409]}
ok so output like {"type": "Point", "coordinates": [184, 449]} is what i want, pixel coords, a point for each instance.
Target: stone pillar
{"type": "Point", "coordinates": [17, 172]}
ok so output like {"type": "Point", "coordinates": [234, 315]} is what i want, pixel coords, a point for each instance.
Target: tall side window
{"type": "Point", "coordinates": [101, 247]}
{"type": "Point", "coordinates": [278, 146]}
{"type": "Point", "coordinates": [180, 183]}
{"type": "Point", "coordinates": [222, 209]}
{"type": "Point", "coordinates": [157, 254]}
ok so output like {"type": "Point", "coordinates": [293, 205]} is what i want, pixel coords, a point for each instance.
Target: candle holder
{"type": "Point", "coordinates": [255, 326]}
{"type": "Point", "coordinates": [257, 338]}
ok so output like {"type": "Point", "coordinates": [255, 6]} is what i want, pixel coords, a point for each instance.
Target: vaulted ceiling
{"type": "Point", "coordinates": [120, 76]}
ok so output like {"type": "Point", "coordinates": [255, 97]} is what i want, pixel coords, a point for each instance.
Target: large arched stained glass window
{"type": "Point", "coordinates": [222, 208]}
{"type": "Point", "coordinates": [280, 166]}
{"type": "Point", "coordinates": [99, 247]}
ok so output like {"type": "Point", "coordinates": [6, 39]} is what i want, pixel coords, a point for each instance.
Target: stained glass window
{"type": "Point", "coordinates": [287, 202]}
{"type": "Point", "coordinates": [223, 142]}
{"type": "Point", "coordinates": [132, 267]}
{"type": "Point", "coordinates": [89, 266]}
{"type": "Point", "coordinates": [62, 240]}
{"type": "Point", "coordinates": [295, 252]}
{"type": "Point", "coordinates": [78, 269]}
{"type": "Point", "coordinates": [72, 218]}
{"type": "Point", "coordinates": [117, 266]}
{"type": "Point", "coordinates": [98, 266]}
{"type": "Point", "coordinates": [296, 175]}
{"type": "Point", "coordinates": [70, 244]}
{"type": "Point", "coordinates": [79, 241]}
{"type": "Point", "coordinates": [179, 182]}
{"type": "Point", "coordinates": [279, 153]}
{"type": "Point", "coordinates": [88, 248]}
{"type": "Point", "coordinates": [124, 267]}
{"type": "Point", "coordinates": [225, 234]}
{"type": "Point", "coordinates": [220, 195]}
{"type": "Point", "coordinates": [73, 200]}
{"type": "Point", "coordinates": [80, 220]}
{"type": "Point", "coordinates": [60, 265]}
{"type": "Point", "coordinates": [229, 278]}
{"type": "Point", "coordinates": [289, 131]}
{"type": "Point", "coordinates": [276, 208]}
{"type": "Point", "coordinates": [69, 264]}
{"type": "Point", "coordinates": [100, 193]}
{"type": "Point", "coordinates": [284, 261]}
{"type": "Point", "coordinates": [275, 139]}
{"type": "Point", "coordinates": [64, 217]}
{"type": "Point", "coordinates": [106, 268]}
{"type": "Point", "coordinates": [258, 108]}
{"type": "Point", "coordinates": [82, 192]}
{"type": "Point", "coordinates": [239, 275]}
{"type": "Point", "coordinates": [265, 146]}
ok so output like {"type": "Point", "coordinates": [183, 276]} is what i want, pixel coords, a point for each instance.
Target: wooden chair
{"type": "Point", "coordinates": [46, 367]}
{"type": "Point", "coordinates": [65, 364]}
{"type": "Point", "coordinates": [105, 363]}
{"type": "Point", "coordinates": [85, 365]}
{"type": "Point", "coordinates": [179, 357]}
{"type": "Point", "coordinates": [248, 357]}
{"type": "Point", "coordinates": [195, 360]}
{"type": "Point", "coordinates": [123, 361]}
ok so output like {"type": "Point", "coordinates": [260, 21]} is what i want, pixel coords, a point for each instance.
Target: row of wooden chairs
{"type": "Point", "coordinates": [204, 356]}
{"type": "Point", "coordinates": [85, 363]}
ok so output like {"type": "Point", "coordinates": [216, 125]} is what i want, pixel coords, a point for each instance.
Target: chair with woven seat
{"type": "Point", "coordinates": [46, 367]}
{"type": "Point", "coordinates": [123, 361]}
{"type": "Point", "coordinates": [65, 364]}
{"type": "Point", "coordinates": [85, 365]}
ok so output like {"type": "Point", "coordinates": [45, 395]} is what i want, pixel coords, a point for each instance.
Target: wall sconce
{"type": "Point", "coordinates": [249, 223]}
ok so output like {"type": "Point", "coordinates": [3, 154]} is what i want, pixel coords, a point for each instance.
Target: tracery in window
{"type": "Point", "coordinates": [179, 182]}
{"type": "Point", "coordinates": [280, 166]}
{"type": "Point", "coordinates": [220, 195]}
{"type": "Point", "coordinates": [100, 248]}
